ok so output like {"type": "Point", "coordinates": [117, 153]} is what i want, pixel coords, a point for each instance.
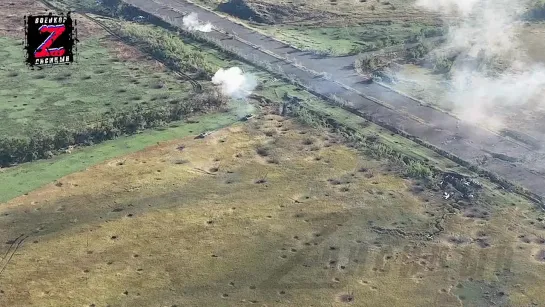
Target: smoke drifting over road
{"type": "Point", "coordinates": [491, 68]}
{"type": "Point", "coordinates": [192, 23]}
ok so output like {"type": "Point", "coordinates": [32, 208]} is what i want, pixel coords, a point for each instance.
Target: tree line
{"type": "Point", "coordinates": [45, 144]}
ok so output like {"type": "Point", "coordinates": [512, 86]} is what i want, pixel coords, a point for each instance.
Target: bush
{"type": "Point", "coordinates": [367, 63]}
{"type": "Point", "coordinates": [442, 64]}
{"type": "Point", "coordinates": [419, 51]}
{"type": "Point", "coordinates": [418, 170]}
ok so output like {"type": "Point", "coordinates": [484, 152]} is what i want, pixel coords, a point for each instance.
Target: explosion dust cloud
{"type": "Point", "coordinates": [238, 85]}
{"type": "Point", "coordinates": [192, 23]}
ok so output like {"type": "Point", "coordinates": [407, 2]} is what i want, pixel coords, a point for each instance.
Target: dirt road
{"type": "Point", "coordinates": [510, 159]}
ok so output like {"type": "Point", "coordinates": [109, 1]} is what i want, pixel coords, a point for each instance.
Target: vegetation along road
{"type": "Point", "coordinates": [513, 160]}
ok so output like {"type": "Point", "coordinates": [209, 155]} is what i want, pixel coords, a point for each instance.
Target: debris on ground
{"type": "Point", "coordinates": [139, 18]}
{"type": "Point", "coordinates": [457, 186]}
{"type": "Point", "coordinates": [203, 135]}
{"type": "Point", "coordinates": [289, 101]}
{"type": "Point", "coordinates": [247, 117]}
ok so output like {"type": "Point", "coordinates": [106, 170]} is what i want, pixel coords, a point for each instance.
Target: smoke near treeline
{"type": "Point", "coordinates": [232, 82]}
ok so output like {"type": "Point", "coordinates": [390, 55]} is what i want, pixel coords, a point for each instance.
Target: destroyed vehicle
{"type": "Point", "coordinates": [386, 76]}
{"type": "Point", "coordinates": [458, 184]}
{"type": "Point", "coordinates": [203, 135]}
{"type": "Point", "coordinates": [139, 18]}
{"type": "Point", "coordinates": [376, 79]}
{"type": "Point", "coordinates": [367, 79]}
{"type": "Point", "coordinates": [247, 117]}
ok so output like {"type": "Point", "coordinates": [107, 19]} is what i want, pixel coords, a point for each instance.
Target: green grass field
{"type": "Point", "coordinates": [76, 89]}
{"type": "Point", "coordinates": [76, 94]}
{"type": "Point", "coordinates": [273, 89]}
{"type": "Point", "coordinates": [27, 177]}
{"type": "Point", "coordinates": [349, 39]}
{"type": "Point", "coordinates": [358, 26]}
{"type": "Point", "coordinates": [364, 29]}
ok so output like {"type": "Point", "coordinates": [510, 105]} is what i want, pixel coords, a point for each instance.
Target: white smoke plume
{"type": "Point", "coordinates": [234, 82]}
{"type": "Point", "coordinates": [192, 23]}
{"type": "Point", "coordinates": [487, 29]}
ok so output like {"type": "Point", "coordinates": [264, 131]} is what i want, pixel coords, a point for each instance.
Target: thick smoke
{"type": "Point", "coordinates": [234, 83]}
{"type": "Point", "coordinates": [238, 85]}
{"type": "Point", "coordinates": [491, 68]}
{"type": "Point", "coordinates": [192, 23]}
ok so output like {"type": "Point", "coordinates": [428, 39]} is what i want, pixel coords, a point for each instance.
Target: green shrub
{"type": "Point", "coordinates": [367, 63]}
{"type": "Point", "coordinates": [418, 170]}
{"type": "Point", "coordinates": [419, 51]}
{"type": "Point", "coordinates": [442, 64]}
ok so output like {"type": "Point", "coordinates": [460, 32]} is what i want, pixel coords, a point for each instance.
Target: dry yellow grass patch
{"type": "Point", "coordinates": [213, 222]}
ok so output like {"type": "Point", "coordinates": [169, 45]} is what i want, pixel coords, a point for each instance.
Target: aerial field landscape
{"type": "Point", "coordinates": [188, 159]}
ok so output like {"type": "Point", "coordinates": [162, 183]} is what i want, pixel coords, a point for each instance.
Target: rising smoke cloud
{"type": "Point", "coordinates": [487, 30]}
{"type": "Point", "coordinates": [236, 84]}
{"type": "Point", "coordinates": [192, 23]}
